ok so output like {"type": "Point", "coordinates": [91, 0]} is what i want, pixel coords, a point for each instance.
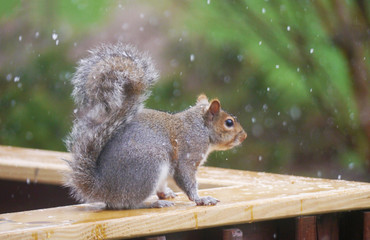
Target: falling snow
{"type": "Point", "coordinates": [54, 36]}
{"type": "Point", "coordinates": [192, 57]}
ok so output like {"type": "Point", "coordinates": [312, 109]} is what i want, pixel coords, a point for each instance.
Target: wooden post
{"type": "Point", "coordinates": [232, 234]}
{"type": "Point", "coordinates": [366, 225]}
{"type": "Point", "coordinates": [156, 238]}
{"type": "Point", "coordinates": [306, 228]}
{"type": "Point", "coordinates": [327, 226]}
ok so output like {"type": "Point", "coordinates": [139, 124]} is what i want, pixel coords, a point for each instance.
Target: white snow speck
{"type": "Point", "coordinates": [277, 66]}
{"type": "Point", "coordinates": [268, 89]}
{"type": "Point", "coordinates": [9, 77]}
{"type": "Point", "coordinates": [260, 158]}
{"type": "Point", "coordinates": [351, 165]}
{"type": "Point", "coordinates": [288, 28]}
{"type": "Point", "coordinates": [295, 112]}
{"type": "Point", "coordinates": [54, 36]}
{"type": "Point", "coordinates": [311, 50]}
{"type": "Point", "coordinates": [37, 34]}
{"type": "Point", "coordinates": [265, 107]}
{"type": "Point", "coordinates": [339, 177]}
{"type": "Point", "coordinates": [20, 38]}
{"type": "Point", "coordinates": [208, 2]}
{"type": "Point", "coordinates": [260, 43]}
{"type": "Point", "coordinates": [192, 57]}
{"type": "Point", "coordinates": [16, 79]}
{"type": "Point", "coordinates": [352, 116]}
{"type": "Point", "coordinates": [298, 69]}
{"type": "Point", "coordinates": [253, 120]}
{"type": "Point", "coordinates": [263, 10]}
{"type": "Point", "coordinates": [57, 42]}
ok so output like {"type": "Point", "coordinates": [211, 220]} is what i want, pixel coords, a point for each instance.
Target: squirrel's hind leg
{"type": "Point", "coordinates": [167, 193]}
{"type": "Point", "coordinates": [164, 192]}
{"type": "Point", "coordinates": [161, 204]}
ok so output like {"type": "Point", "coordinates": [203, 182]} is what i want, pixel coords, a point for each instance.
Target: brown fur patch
{"type": "Point", "coordinates": [174, 154]}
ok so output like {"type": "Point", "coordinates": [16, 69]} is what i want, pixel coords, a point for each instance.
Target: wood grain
{"type": "Point", "coordinates": [245, 197]}
{"type": "Point", "coordinates": [33, 165]}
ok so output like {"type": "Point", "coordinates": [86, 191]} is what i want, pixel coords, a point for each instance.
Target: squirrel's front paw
{"type": "Point", "coordinates": [168, 193]}
{"type": "Point", "coordinates": [206, 201]}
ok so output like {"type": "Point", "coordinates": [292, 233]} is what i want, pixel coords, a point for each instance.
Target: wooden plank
{"type": "Point", "coordinates": [306, 228]}
{"type": "Point", "coordinates": [245, 197]}
{"type": "Point", "coordinates": [32, 165]}
{"type": "Point", "coordinates": [81, 221]}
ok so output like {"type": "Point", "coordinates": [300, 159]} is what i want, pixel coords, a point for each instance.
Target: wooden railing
{"type": "Point", "coordinates": [280, 205]}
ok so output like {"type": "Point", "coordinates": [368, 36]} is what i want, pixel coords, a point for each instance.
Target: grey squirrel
{"type": "Point", "coordinates": [121, 152]}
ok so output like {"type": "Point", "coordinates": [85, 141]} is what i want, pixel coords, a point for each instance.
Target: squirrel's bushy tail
{"type": "Point", "coordinates": [110, 86]}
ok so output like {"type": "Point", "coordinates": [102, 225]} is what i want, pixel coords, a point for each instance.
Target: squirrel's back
{"type": "Point", "coordinates": [110, 86]}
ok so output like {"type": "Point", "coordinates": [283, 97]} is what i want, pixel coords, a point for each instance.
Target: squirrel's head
{"type": "Point", "coordinates": [225, 130]}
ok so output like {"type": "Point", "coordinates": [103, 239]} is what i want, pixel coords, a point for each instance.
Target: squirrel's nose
{"type": "Point", "coordinates": [243, 136]}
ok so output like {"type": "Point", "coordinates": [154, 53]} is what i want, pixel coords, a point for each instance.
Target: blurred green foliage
{"type": "Point", "coordinates": [281, 63]}
{"type": "Point", "coordinates": [277, 65]}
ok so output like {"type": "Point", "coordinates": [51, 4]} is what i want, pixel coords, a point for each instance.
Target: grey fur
{"type": "Point", "coordinates": [123, 153]}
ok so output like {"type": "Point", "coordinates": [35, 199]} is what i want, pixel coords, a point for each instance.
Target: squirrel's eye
{"type": "Point", "coordinates": [229, 123]}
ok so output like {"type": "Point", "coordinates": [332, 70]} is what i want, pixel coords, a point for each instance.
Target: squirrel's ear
{"type": "Point", "coordinates": [202, 99]}
{"type": "Point", "coordinates": [214, 107]}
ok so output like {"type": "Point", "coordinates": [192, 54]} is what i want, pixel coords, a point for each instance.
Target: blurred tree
{"type": "Point", "coordinates": [350, 32]}
{"type": "Point", "coordinates": [294, 72]}
{"type": "Point", "coordinates": [35, 67]}
{"type": "Point", "coordinates": [298, 68]}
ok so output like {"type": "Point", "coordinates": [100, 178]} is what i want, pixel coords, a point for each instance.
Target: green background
{"type": "Point", "coordinates": [294, 72]}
